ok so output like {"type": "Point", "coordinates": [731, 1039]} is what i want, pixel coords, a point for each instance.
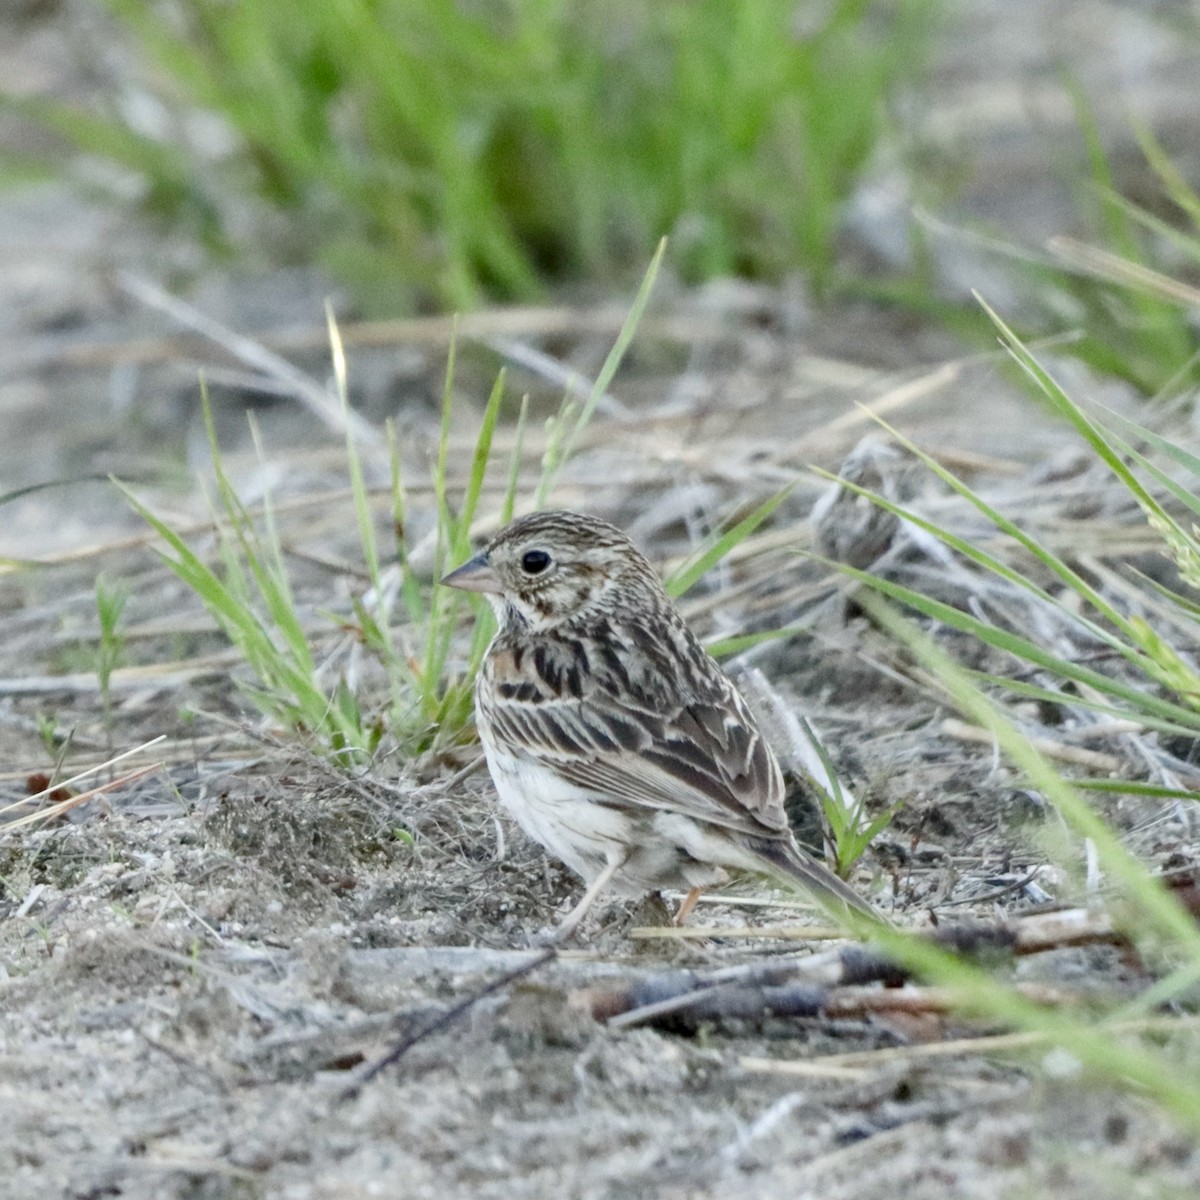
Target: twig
{"type": "Point", "coordinates": [316, 398]}
{"type": "Point", "coordinates": [67, 783]}
{"type": "Point", "coordinates": [452, 1014]}
{"type": "Point", "coordinates": [1006, 889]}
{"type": "Point", "coordinates": [1097, 263]}
{"type": "Point", "coordinates": [781, 933]}
{"type": "Point", "coordinates": [805, 986]}
{"type": "Point", "coordinates": [543, 365]}
{"type": "Point", "coordinates": [1092, 759]}
{"type": "Point", "coordinates": [1030, 935]}
{"type": "Point", "coordinates": [859, 1060]}
{"type": "Point", "coordinates": [436, 332]}
{"type": "Point", "coordinates": [753, 1001]}
{"type": "Point", "coordinates": [897, 397]}
{"type": "Point", "coordinates": [164, 675]}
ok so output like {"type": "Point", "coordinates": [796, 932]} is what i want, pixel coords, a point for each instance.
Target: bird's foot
{"type": "Point", "coordinates": [686, 905]}
{"type": "Point", "coordinates": [552, 935]}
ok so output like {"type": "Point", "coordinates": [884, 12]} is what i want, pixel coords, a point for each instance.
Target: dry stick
{"type": "Point", "coordinates": [742, 1001]}
{"type": "Point", "coordinates": [803, 987]}
{"type": "Point", "coordinates": [1029, 935]}
{"type": "Point", "coordinates": [317, 399]}
{"type": "Point", "coordinates": [537, 362]}
{"type": "Point", "coordinates": [862, 1002]}
{"type": "Point", "coordinates": [82, 775]}
{"type": "Point", "coordinates": [168, 674]}
{"type": "Point", "coordinates": [914, 389]}
{"type": "Point", "coordinates": [1012, 887]}
{"type": "Point", "coordinates": [56, 810]}
{"type": "Point", "coordinates": [1103, 264]}
{"type": "Point", "coordinates": [894, 398]}
{"type": "Point", "coordinates": [861, 1060]}
{"type": "Point", "coordinates": [766, 933]}
{"type": "Point", "coordinates": [186, 749]}
{"type": "Point", "coordinates": [1092, 759]}
{"type": "Point", "coordinates": [405, 1044]}
{"type": "Point", "coordinates": [418, 331]}
{"type": "Point", "coordinates": [137, 541]}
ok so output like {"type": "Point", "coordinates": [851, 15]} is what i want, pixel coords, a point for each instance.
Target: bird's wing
{"type": "Point", "coordinates": [697, 754]}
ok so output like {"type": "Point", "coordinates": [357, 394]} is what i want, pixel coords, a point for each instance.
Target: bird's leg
{"type": "Point", "coordinates": [616, 860]}
{"type": "Point", "coordinates": [686, 905]}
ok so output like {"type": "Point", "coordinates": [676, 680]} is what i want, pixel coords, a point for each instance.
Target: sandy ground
{"type": "Point", "coordinates": [194, 968]}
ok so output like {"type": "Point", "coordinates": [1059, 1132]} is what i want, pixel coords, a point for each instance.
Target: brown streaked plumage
{"type": "Point", "coordinates": [612, 736]}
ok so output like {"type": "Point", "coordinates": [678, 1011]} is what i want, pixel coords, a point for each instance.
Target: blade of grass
{"type": "Point", "coordinates": [1032, 691]}
{"type": "Point", "coordinates": [686, 576]}
{"type": "Point", "coordinates": [514, 466]}
{"type": "Point", "coordinates": [1048, 559]}
{"type": "Point", "coordinates": [565, 445]}
{"type": "Point", "coordinates": [358, 486]}
{"type": "Point", "coordinates": [1160, 910]}
{"type": "Point", "coordinates": [1020, 647]}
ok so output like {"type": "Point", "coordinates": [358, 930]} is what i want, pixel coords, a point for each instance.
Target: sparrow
{"type": "Point", "coordinates": [612, 736]}
{"type": "Point", "coordinates": [850, 528]}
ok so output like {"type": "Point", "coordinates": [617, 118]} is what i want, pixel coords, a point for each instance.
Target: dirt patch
{"type": "Point", "coordinates": [196, 970]}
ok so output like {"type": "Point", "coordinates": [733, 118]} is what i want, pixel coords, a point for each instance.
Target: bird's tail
{"type": "Point", "coordinates": [787, 859]}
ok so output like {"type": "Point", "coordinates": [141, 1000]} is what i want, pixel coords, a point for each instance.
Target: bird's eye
{"type": "Point", "coordinates": [534, 562]}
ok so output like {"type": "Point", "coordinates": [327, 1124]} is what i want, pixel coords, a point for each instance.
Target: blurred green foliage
{"type": "Point", "coordinates": [449, 151]}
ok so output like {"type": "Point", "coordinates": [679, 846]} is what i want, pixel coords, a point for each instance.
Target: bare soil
{"type": "Point", "coordinates": [196, 966]}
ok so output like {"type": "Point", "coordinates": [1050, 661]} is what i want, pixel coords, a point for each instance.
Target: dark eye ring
{"type": "Point", "coordinates": [534, 562]}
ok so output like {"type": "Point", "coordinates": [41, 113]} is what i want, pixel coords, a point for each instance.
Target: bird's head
{"type": "Point", "coordinates": [550, 568]}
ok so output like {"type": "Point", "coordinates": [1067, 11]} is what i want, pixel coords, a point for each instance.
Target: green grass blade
{"type": "Point", "coordinates": [1177, 186]}
{"type": "Point", "coordinates": [1033, 691]}
{"type": "Point", "coordinates": [1134, 787]}
{"type": "Point", "coordinates": [569, 437]}
{"type": "Point", "coordinates": [616, 355]}
{"type": "Point", "coordinates": [410, 588]}
{"type": "Point", "coordinates": [1063, 404]}
{"type": "Point", "coordinates": [479, 466]}
{"type": "Point", "coordinates": [727, 647]}
{"type": "Point", "coordinates": [509, 503]}
{"type": "Point", "coordinates": [1096, 1044]}
{"type": "Point", "coordinates": [1160, 909]}
{"type": "Point", "coordinates": [1022, 648]}
{"type": "Point", "coordinates": [358, 486]}
{"type": "Point", "coordinates": [1046, 557]}
{"type": "Point", "coordinates": [686, 577]}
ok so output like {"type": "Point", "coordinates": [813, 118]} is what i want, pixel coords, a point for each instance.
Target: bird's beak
{"type": "Point", "coordinates": [475, 575]}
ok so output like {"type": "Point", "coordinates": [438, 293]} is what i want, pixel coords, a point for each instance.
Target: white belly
{"type": "Point", "coordinates": [566, 819]}
{"type": "Point", "coordinates": [659, 849]}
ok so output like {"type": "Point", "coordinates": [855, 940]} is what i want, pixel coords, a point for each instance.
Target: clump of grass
{"type": "Point", "coordinates": [1139, 636]}
{"type": "Point", "coordinates": [1146, 628]}
{"type": "Point", "coordinates": [251, 599]}
{"type": "Point", "coordinates": [849, 829]}
{"type": "Point", "coordinates": [464, 151]}
{"type": "Point", "coordinates": [1106, 1039]}
{"type": "Point", "coordinates": [1121, 286]}
{"type": "Point", "coordinates": [250, 596]}
{"type": "Point", "coordinates": [410, 629]}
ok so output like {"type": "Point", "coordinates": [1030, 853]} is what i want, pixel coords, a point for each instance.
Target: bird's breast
{"type": "Point", "coordinates": [571, 822]}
